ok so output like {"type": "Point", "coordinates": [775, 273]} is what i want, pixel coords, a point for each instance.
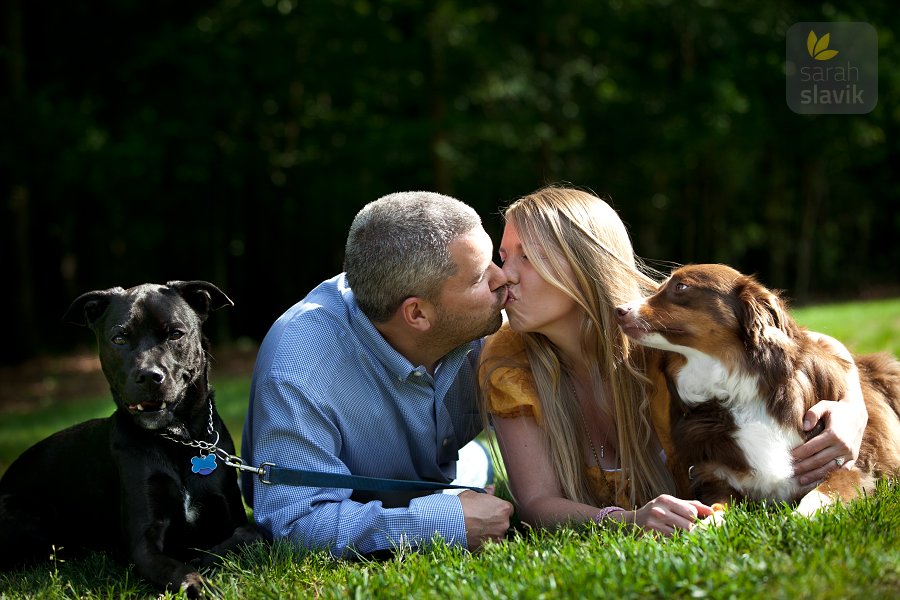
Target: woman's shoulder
{"type": "Point", "coordinates": [506, 376]}
{"type": "Point", "coordinates": [505, 344]}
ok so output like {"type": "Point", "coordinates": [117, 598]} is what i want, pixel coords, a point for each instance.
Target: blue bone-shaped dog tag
{"type": "Point", "coordinates": [204, 465]}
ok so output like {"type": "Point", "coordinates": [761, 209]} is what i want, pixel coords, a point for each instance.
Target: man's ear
{"type": "Point", "coordinates": [418, 313]}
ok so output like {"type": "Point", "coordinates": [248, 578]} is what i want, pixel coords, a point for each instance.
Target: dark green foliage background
{"type": "Point", "coordinates": [234, 140]}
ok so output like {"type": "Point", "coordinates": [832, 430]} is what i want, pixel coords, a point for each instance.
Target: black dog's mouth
{"type": "Point", "coordinates": [147, 406]}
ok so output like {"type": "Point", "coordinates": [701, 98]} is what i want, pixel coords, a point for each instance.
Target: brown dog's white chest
{"type": "Point", "coordinates": [765, 443]}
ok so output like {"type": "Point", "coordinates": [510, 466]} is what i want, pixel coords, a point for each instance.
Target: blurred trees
{"type": "Point", "coordinates": [234, 140]}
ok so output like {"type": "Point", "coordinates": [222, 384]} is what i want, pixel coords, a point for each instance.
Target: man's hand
{"type": "Point", "coordinates": [487, 517]}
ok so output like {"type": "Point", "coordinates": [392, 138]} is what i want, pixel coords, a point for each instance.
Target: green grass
{"type": "Point", "coordinates": [872, 326]}
{"type": "Point", "coordinates": [846, 552]}
{"type": "Point", "coordinates": [851, 552]}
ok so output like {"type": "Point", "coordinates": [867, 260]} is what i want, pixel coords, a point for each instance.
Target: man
{"type": "Point", "coordinates": [374, 374]}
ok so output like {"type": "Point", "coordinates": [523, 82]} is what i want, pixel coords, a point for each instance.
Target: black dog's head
{"type": "Point", "coordinates": [152, 348]}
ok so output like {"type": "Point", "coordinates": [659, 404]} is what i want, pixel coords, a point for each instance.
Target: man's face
{"type": "Point", "coordinates": [469, 302]}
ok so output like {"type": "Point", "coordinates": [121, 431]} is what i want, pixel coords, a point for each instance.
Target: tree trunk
{"type": "Point", "coordinates": [18, 195]}
{"type": "Point", "coordinates": [815, 189]}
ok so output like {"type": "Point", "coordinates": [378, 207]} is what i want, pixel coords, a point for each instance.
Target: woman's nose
{"type": "Point", "coordinates": [510, 273]}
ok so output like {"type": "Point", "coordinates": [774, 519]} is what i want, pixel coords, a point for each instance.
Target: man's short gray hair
{"type": "Point", "coordinates": [398, 247]}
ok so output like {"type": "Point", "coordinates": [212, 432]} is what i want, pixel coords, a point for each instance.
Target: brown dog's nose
{"type": "Point", "coordinates": [150, 377]}
{"type": "Point", "coordinates": [623, 310]}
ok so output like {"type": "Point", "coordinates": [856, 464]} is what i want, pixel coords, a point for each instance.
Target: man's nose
{"type": "Point", "coordinates": [498, 277]}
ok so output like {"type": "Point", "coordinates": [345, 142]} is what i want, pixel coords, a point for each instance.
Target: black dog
{"type": "Point", "coordinates": [136, 483]}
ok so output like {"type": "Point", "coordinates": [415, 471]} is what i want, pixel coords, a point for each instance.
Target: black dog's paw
{"type": "Point", "coordinates": [193, 585]}
{"type": "Point", "coordinates": [243, 536]}
{"type": "Point", "coordinates": [247, 535]}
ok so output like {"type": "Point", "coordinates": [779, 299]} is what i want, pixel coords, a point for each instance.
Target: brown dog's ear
{"type": "Point", "coordinates": [90, 306]}
{"type": "Point", "coordinates": [761, 310]}
{"type": "Point", "coordinates": [202, 296]}
{"type": "Point", "coordinates": [765, 326]}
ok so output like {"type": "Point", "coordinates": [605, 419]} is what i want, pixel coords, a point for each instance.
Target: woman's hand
{"type": "Point", "coordinates": [666, 513]}
{"type": "Point", "coordinates": [845, 421]}
{"type": "Point", "coordinates": [838, 444]}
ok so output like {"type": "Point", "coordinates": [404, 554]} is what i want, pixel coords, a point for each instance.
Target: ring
{"type": "Point", "coordinates": [839, 461]}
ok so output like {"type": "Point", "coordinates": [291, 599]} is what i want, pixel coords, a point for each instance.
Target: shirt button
{"type": "Point", "coordinates": [446, 442]}
{"type": "Point", "coordinates": [417, 373]}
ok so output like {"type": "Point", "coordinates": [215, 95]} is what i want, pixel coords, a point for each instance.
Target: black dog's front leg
{"type": "Point", "coordinates": [223, 521]}
{"type": "Point", "coordinates": [164, 571]}
{"type": "Point", "coordinates": [151, 519]}
{"type": "Point", "coordinates": [243, 536]}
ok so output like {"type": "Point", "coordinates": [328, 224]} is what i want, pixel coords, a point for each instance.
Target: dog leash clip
{"type": "Point", "coordinates": [238, 463]}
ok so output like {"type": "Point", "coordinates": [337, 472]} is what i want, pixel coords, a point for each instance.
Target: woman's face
{"type": "Point", "coordinates": [533, 304]}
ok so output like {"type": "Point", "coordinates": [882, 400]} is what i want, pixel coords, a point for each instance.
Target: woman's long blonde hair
{"type": "Point", "coordinates": [587, 234]}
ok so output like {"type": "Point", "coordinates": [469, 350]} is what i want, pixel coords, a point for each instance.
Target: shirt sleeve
{"type": "Point", "coordinates": [509, 388]}
{"type": "Point", "coordinates": [293, 430]}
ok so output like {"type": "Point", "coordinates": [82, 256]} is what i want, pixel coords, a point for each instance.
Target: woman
{"type": "Point", "coordinates": [564, 386]}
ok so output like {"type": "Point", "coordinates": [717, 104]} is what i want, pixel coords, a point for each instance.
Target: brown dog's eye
{"type": "Point", "coordinates": [681, 287]}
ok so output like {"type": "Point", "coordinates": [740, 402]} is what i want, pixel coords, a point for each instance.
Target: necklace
{"type": "Point", "coordinates": [587, 431]}
{"type": "Point", "coordinates": [606, 491]}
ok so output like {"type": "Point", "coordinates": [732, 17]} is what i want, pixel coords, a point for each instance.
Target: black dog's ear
{"type": "Point", "coordinates": [89, 307]}
{"type": "Point", "coordinates": [202, 296]}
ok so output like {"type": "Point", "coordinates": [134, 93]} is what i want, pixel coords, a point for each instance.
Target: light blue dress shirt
{"type": "Point", "coordinates": [330, 394]}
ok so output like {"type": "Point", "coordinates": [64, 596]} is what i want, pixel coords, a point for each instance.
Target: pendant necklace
{"type": "Point", "coordinates": [587, 431]}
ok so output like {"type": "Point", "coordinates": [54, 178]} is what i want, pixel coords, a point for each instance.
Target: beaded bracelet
{"type": "Point", "coordinates": [605, 512]}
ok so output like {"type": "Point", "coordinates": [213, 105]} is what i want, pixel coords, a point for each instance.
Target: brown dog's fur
{"type": "Point", "coordinates": [734, 381]}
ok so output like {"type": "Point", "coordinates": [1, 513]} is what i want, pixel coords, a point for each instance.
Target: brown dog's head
{"type": "Point", "coordinates": [719, 312]}
{"type": "Point", "coordinates": [151, 345]}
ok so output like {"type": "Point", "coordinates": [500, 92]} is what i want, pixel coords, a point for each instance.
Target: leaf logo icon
{"type": "Point", "coordinates": [818, 47]}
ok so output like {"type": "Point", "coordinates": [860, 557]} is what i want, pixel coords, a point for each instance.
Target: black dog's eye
{"type": "Point", "coordinates": [176, 334]}
{"type": "Point", "coordinates": [119, 339]}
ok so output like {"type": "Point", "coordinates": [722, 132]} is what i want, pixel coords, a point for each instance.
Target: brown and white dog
{"type": "Point", "coordinates": [737, 376]}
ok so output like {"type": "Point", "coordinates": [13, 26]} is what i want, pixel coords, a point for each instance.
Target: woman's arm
{"type": "Point", "coordinates": [538, 493]}
{"type": "Point", "coordinates": [845, 421]}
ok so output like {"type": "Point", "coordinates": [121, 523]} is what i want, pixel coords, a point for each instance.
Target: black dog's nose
{"type": "Point", "coordinates": [151, 377]}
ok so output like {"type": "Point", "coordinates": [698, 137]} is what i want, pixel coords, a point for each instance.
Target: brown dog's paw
{"type": "Point", "coordinates": [714, 520]}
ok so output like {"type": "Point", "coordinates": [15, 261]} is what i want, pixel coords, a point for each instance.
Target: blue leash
{"type": "Point", "coordinates": [271, 474]}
